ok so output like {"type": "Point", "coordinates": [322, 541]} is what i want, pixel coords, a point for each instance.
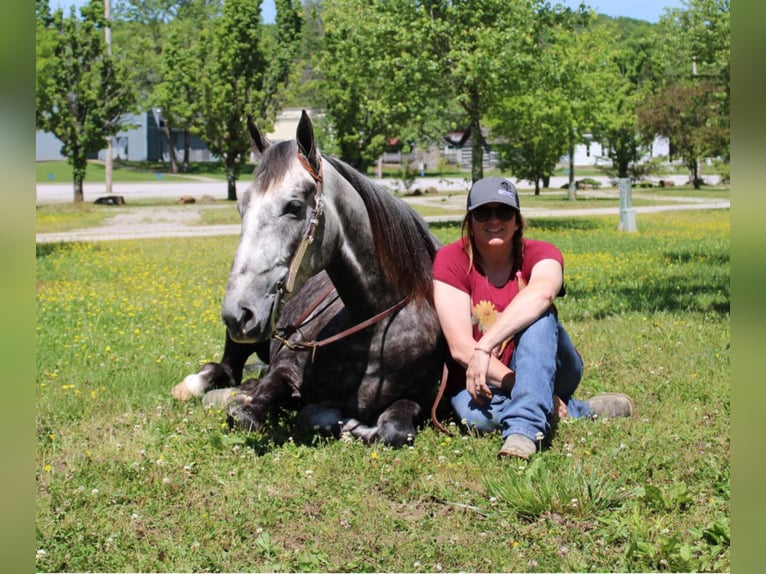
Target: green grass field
{"type": "Point", "coordinates": [129, 480]}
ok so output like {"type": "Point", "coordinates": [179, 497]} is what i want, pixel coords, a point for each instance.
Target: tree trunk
{"type": "Point", "coordinates": [78, 194]}
{"type": "Point", "coordinates": [696, 179]}
{"type": "Point", "coordinates": [537, 186]}
{"type": "Point", "coordinates": [171, 146]}
{"type": "Point", "coordinates": [187, 146]}
{"type": "Point", "coordinates": [546, 181]}
{"type": "Point", "coordinates": [477, 150]}
{"type": "Point", "coordinates": [572, 193]}
{"type": "Point", "coordinates": [231, 178]}
{"type": "Point", "coordinates": [79, 163]}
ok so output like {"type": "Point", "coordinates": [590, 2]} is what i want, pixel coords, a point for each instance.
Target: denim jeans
{"type": "Point", "coordinates": [546, 363]}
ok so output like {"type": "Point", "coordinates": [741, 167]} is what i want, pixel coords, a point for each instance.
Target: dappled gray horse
{"type": "Point", "coordinates": [337, 273]}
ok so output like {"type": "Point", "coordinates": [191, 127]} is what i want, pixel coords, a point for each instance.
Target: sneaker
{"type": "Point", "coordinates": [517, 445]}
{"type": "Point", "coordinates": [607, 405]}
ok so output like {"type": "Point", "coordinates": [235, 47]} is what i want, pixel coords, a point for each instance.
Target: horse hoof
{"type": "Point", "coordinates": [181, 392]}
{"type": "Point", "coordinates": [191, 386]}
{"type": "Point", "coordinates": [218, 398]}
{"type": "Point", "coordinates": [241, 417]}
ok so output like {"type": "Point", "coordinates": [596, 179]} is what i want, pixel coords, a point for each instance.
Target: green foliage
{"type": "Point", "coordinates": [81, 92]}
{"type": "Point", "coordinates": [129, 480]}
{"type": "Point", "coordinates": [240, 79]}
{"type": "Point", "coordinates": [686, 113]}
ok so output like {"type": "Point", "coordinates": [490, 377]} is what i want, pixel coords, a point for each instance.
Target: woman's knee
{"type": "Point", "coordinates": [471, 414]}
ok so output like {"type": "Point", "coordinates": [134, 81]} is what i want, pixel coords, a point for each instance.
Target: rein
{"type": "Point", "coordinates": [288, 284]}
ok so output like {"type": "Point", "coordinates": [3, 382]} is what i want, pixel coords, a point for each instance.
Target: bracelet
{"type": "Point", "coordinates": [482, 350]}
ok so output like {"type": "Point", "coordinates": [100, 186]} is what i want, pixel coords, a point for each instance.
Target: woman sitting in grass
{"type": "Point", "coordinates": [513, 365]}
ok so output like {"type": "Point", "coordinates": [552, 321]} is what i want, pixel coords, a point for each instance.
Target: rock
{"type": "Point", "coordinates": [218, 398]}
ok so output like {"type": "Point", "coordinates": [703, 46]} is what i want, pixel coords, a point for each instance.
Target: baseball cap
{"type": "Point", "coordinates": [493, 190]}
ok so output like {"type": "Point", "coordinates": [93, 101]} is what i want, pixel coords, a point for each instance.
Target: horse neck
{"type": "Point", "coordinates": [354, 266]}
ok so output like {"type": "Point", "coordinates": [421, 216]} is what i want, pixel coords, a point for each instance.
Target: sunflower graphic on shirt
{"type": "Point", "coordinates": [483, 315]}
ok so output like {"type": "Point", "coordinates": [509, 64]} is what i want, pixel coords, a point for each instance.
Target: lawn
{"type": "Point", "coordinates": [130, 480]}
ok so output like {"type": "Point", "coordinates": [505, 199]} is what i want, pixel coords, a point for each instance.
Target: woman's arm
{"type": "Point", "coordinates": [531, 302]}
{"type": "Point", "coordinates": [528, 306]}
{"type": "Point", "coordinates": [453, 308]}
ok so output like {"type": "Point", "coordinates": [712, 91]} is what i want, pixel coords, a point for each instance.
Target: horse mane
{"type": "Point", "coordinates": [275, 162]}
{"type": "Point", "coordinates": [403, 242]}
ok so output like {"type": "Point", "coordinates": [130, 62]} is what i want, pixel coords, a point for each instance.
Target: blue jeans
{"type": "Point", "coordinates": [546, 363]}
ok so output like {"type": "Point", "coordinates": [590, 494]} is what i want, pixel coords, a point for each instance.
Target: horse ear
{"type": "Point", "coordinates": [304, 135]}
{"type": "Point", "coordinates": [258, 143]}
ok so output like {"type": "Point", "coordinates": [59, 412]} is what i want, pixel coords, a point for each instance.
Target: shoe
{"type": "Point", "coordinates": [517, 445]}
{"type": "Point", "coordinates": [607, 405]}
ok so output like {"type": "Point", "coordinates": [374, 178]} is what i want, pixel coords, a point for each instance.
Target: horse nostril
{"type": "Point", "coordinates": [247, 316]}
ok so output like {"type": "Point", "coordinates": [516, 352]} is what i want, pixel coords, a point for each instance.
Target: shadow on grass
{"type": "Point", "coordinates": [567, 224]}
{"type": "Point", "coordinates": [46, 249]}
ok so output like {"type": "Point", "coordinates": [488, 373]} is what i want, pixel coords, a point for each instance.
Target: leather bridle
{"type": "Point", "coordinates": [287, 286]}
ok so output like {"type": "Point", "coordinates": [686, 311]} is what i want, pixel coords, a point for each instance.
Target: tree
{"type": "Point", "coordinates": [532, 125]}
{"type": "Point", "coordinates": [535, 120]}
{"type": "Point", "coordinates": [240, 80]}
{"type": "Point", "coordinates": [685, 112]}
{"type": "Point", "coordinates": [627, 80]}
{"type": "Point", "coordinates": [411, 69]}
{"type": "Point", "coordinates": [158, 37]}
{"type": "Point", "coordinates": [694, 45]}
{"type": "Point", "coordinates": [81, 93]}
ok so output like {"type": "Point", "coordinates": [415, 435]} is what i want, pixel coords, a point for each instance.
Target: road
{"type": "Point", "coordinates": [153, 222]}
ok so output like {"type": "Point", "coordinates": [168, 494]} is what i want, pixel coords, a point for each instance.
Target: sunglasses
{"type": "Point", "coordinates": [485, 212]}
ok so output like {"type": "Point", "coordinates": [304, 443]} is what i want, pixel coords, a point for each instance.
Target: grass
{"type": "Point", "coordinates": [128, 479]}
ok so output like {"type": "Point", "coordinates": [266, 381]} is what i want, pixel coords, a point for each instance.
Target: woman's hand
{"type": "Point", "coordinates": [476, 375]}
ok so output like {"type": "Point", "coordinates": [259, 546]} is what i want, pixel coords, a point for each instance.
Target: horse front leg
{"type": "Point", "coordinates": [227, 373]}
{"type": "Point", "coordinates": [395, 425]}
{"type": "Point", "coordinates": [248, 406]}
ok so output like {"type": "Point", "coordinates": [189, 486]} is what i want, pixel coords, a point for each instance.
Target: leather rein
{"type": "Point", "coordinates": [282, 335]}
{"type": "Point", "coordinates": [287, 286]}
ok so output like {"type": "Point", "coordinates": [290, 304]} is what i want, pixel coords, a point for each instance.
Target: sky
{"type": "Point", "coordinates": [649, 10]}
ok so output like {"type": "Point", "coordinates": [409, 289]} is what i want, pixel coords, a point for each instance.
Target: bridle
{"type": "Point", "coordinates": [288, 284]}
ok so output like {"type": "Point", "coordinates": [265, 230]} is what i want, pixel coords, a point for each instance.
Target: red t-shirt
{"type": "Point", "coordinates": [451, 266]}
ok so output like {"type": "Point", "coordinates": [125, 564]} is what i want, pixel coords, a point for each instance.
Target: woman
{"type": "Point", "coordinates": [494, 293]}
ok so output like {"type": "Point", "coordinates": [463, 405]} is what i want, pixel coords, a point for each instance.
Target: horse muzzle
{"type": "Point", "coordinates": [248, 321]}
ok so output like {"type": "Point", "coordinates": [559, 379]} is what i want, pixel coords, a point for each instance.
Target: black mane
{"type": "Point", "coordinates": [403, 242]}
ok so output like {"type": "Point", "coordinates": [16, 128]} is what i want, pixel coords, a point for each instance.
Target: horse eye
{"type": "Point", "coordinates": [293, 207]}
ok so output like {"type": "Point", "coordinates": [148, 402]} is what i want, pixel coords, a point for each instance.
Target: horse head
{"type": "Point", "coordinates": [281, 215]}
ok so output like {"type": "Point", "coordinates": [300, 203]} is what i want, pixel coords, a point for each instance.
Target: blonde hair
{"type": "Point", "coordinates": [517, 242]}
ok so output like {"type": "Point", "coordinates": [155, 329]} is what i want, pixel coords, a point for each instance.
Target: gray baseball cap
{"type": "Point", "coordinates": [493, 190]}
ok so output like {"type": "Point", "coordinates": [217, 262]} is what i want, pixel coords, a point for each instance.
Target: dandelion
{"type": "Point", "coordinates": [40, 554]}
{"type": "Point", "coordinates": [47, 468]}
{"type": "Point", "coordinates": [374, 455]}
{"type": "Point", "coordinates": [94, 492]}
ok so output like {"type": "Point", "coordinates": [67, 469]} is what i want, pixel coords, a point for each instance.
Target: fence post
{"type": "Point", "coordinates": [627, 213]}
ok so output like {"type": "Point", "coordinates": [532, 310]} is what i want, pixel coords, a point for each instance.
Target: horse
{"type": "Point", "coordinates": [331, 285]}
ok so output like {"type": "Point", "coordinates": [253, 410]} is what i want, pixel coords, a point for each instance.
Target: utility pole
{"type": "Point", "coordinates": [108, 35]}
